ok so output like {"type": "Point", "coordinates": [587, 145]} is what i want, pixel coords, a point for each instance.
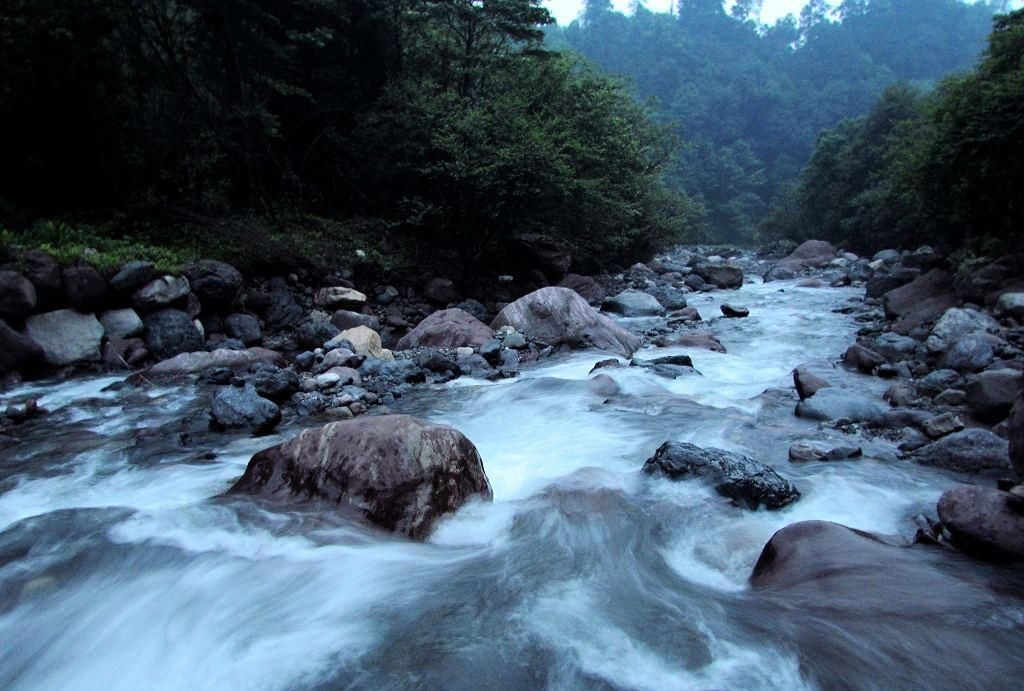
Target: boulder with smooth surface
{"type": "Point", "coordinates": [984, 520]}
{"type": "Point", "coordinates": [832, 404]}
{"type": "Point", "coordinates": [967, 451]}
{"type": "Point", "coordinates": [450, 328]}
{"type": "Point", "coordinates": [161, 292]}
{"type": "Point", "coordinates": [123, 323]}
{"type": "Point", "coordinates": [634, 303]}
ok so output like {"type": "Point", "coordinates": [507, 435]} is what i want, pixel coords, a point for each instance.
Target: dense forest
{"type": "Point", "coordinates": [749, 100]}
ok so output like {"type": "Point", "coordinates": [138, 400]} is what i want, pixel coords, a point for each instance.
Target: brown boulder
{"type": "Point", "coordinates": [397, 471]}
{"type": "Point", "coordinates": [984, 520]}
{"type": "Point", "coordinates": [451, 328]}
{"type": "Point", "coordinates": [921, 301]}
{"type": "Point", "coordinates": [700, 339]}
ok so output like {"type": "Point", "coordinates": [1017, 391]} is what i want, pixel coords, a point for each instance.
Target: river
{"type": "Point", "coordinates": [122, 567]}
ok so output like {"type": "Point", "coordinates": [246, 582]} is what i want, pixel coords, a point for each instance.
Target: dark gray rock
{"type": "Point", "coordinates": [281, 312]}
{"type": "Point", "coordinates": [399, 472]}
{"type": "Point", "coordinates": [984, 521]}
{"type": "Point", "coordinates": [832, 404]}
{"type": "Point", "coordinates": [84, 287]}
{"type": "Point", "coordinates": [934, 383]}
{"type": "Point", "coordinates": [240, 407]}
{"type": "Point", "coordinates": [633, 303]}
{"type": "Point", "coordinates": [216, 283]}
{"type": "Point", "coordinates": [45, 274]}
{"type": "Point", "coordinates": [895, 347]}
{"type": "Point", "coordinates": [347, 319]}
{"type": "Point", "coordinates": [441, 292]}
{"type": "Point", "coordinates": [132, 276]}
{"type": "Point", "coordinates": [720, 275]}
{"type": "Point", "coordinates": [940, 425]}
{"type": "Point", "coordinates": [473, 307]}
{"type": "Point", "coordinates": [17, 296]}
{"type": "Point", "coordinates": [880, 284]}
{"type": "Point", "coordinates": [169, 332]}
{"type": "Point", "coordinates": [316, 330]}
{"type": "Point", "coordinates": [735, 311]}
{"type": "Point", "coordinates": [862, 359]}
{"type": "Point", "coordinates": [671, 298]}
{"type": "Point", "coordinates": [123, 323]}
{"type": "Point", "coordinates": [244, 327]}
{"type": "Point", "coordinates": [807, 383]}
{"type": "Point", "coordinates": [18, 352]}
{"type": "Point", "coordinates": [542, 252]}
{"type": "Point", "coordinates": [968, 451]}
{"type": "Point", "coordinates": [990, 395]}
{"type": "Point", "coordinates": [1015, 435]}
{"type": "Point", "coordinates": [804, 451]}
{"type": "Point", "coordinates": [696, 283]}
{"type": "Point", "coordinates": [733, 475]}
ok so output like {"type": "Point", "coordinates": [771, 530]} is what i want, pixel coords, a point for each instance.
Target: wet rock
{"type": "Point", "coordinates": [339, 297]}
{"type": "Point", "coordinates": [744, 480]}
{"type": "Point", "coordinates": [441, 292]}
{"type": "Point", "coordinates": [807, 384]}
{"type": "Point", "coordinates": [84, 287]}
{"type": "Point", "coordinates": [696, 283]}
{"type": "Point", "coordinates": [804, 451]}
{"type": "Point", "coordinates": [244, 327]}
{"type": "Point", "coordinates": [735, 311]}
{"type": "Point", "coordinates": [240, 407]}
{"type": "Point", "coordinates": [199, 361]}
{"type": "Point", "coordinates": [1015, 435]}
{"type": "Point", "coordinates": [832, 404]}
{"type": "Point", "coordinates": [45, 275]}
{"type": "Point", "coordinates": [66, 336]}
{"type": "Point", "coordinates": [990, 395]}
{"type": "Point", "coordinates": [587, 287]}
{"type": "Point", "coordinates": [161, 292]}
{"type": "Point", "coordinates": [968, 451]}
{"type": "Point", "coordinates": [450, 328]}
{"type": "Point", "coordinates": [18, 352]}
{"type": "Point", "coordinates": [123, 323]}
{"type": "Point", "coordinates": [862, 359]}
{"type": "Point", "coordinates": [941, 425]}
{"type": "Point", "coordinates": [169, 332]}
{"type": "Point", "coordinates": [17, 295]}
{"type": "Point", "coordinates": [473, 307]}
{"type": "Point", "coordinates": [559, 316]}
{"type": "Point", "coordinates": [132, 276]}
{"type": "Point", "coordinates": [670, 366]}
{"type": "Point", "coordinates": [633, 303]}
{"type": "Point", "coordinates": [670, 298]}
{"type": "Point", "coordinates": [720, 275]}
{"type": "Point", "coordinates": [436, 362]}
{"type": "Point", "coordinates": [216, 283]}
{"type": "Point", "coordinates": [399, 472]}
{"type": "Point", "coordinates": [919, 302]}
{"type": "Point", "coordinates": [1010, 305]}
{"type": "Point", "coordinates": [542, 252]}
{"type": "Point", "coordinates": [347, 319]}
{"type": "Point", "coordinates": [699, 339]}
{"type": "Point", "coordinates": [685, 315]}
{"type": "Point", "coordinates": [984, 521]}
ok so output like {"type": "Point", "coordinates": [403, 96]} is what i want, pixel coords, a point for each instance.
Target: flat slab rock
{"type": "Point", "coordinates": [742, 479]}
{"type": "Point", "coordinates": [192, 363]}
{"type": "Point", "coordinates": [399, 472]}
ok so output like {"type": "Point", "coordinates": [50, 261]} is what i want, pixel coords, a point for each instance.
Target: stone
{"type": "Point", "coordinates": [559, 316]}
{"type": "Point", "coordinates": [696, 283]}
{"type": "Point", "coordinates": [335, 297]}
{"type": "Point", "coordinates": [699, 339]}
{"type": "Point", "coordinates": [66, 336]}
{"type": "Point", "coordinates": [671, 298]}
{"type": "Point", "coordinates": [216, 283]}
{"type": "Point", "coordinates": [832, 404]}
{"type": "Point", "coordinates": [244, 327]}
{"type": "Point", "coordinates": [967, 451]}
{"type": "Point", "coordinates": [473, 307]}
{"type": "Point", "coordinates": [399, 472]}
{"type": "Point", "coordinates": [862, 359]}
{"type": "Point", "coordinates": [881, 283]}
{"type": "Point", "coordinates": [132, 276]}
{"type": "Point", "coordinates": [1010, 305]}
{"type": "Point", "coordinates": [685, 315]}
{"type": "Point", "coordinates": [734, 311]}
{"type": "Point", "coordinates": [720, 275]}
{"type": "Point", "coordinates": [169, 332]}
{"type": "Point", "coordinates": [807, 383]}
{"type": "Point", "coordinates": [45, 275]}
{"type": "Point", "coordinates": [919, 302]}
{"type": "Point", "coordinates": [122, 323]}
{"type": "Point", "coordinates": [972, 352]}
{"type": "Point", "coordinates": [951, 397]}
{"type": "Point", "coordinates": [811, 254]}
{"type": "Point", "coordinates": [934, 383]}
{"type": "Point", "coordinates": [201, 360]}
{"type": "Point", "coordinates": [941, 425]}
{"type": "Point", "coordinates": [984, 521]}
{"type": "Point", "coordinates": [161, 292]}
{"type": "Point", "coordinates": [316, 330]}
{"type": "Point", "coordinates": [633, 303]}
{"type": "Point", "coordinates": [272, 382]}
{"type": "Point", "coordinates": [17, 296]}
{"type": "Point", "coordinates": [991, 394]}
{"type": "Point", "coordinates": [124, 352]}
{"type": "Point", "coordinates": [282, 312]}
{"type": "Point", "coordinates": [347, 319]}
{"type": "Point", "coordinates": [364, 340]}
{"type": "Point", "coordinates": [671, 366]}
{"type": "Point", "coordinates": [549, 255]}
{"type": "Point", "coordinates": [441, 292]}
{"type": "Point", "coordinates": [956, 323]}
{"type": "Point", "coordinates": [449, 328]}
{"type": "Point", "coordinates": [84, 287]}
{"type": "Point", "coordinates": [803, 451]}
{"type": "Point", "coordinates": [742, 479]}
{"type": "Point", "coordinates": [240, 407]}
{"type": "Point", "coordinates": [895, 347]}
{"type": "Point", "coordinates": [587, 287]}
{"type": "Point", "coordinates": [1015, 435]}
{"type": "Point", "coordinates": [18, 352]}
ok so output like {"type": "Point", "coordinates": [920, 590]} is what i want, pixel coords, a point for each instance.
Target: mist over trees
{"type": "Point", "coordinates": [749, 101]}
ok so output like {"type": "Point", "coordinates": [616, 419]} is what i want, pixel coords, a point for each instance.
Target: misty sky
{"type": "Point", "coordinates": [567, 10]}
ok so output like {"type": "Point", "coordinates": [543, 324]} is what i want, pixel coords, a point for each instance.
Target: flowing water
{"type": "Point", "coordinates": [122, 567]}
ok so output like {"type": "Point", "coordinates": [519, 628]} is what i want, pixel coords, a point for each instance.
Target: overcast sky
{"type": "Point", "coordinates": [567, 10]}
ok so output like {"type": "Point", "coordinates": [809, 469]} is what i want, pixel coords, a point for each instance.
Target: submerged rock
{"type": "Point", "coordinates": [733, 475]}
{"type": "Point", "coordinates": [399, 472]}
{"type": "Point", "coordinates": [735, 311]}
{"type": "Point", "coordinates": [833, 404]}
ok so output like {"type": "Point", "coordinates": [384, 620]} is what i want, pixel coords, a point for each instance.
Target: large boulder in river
{"type": "Point", "coordinates": [634, 303]}
{"type": "Point", "coordinates": [451, 328]}
{"type": "Point", "coordinates": [397, 471]}
{"type": "Point", "coordinates": [542, 252]}
{"type": "Point", "coordinates": [66, 336]}
{"type": "Point", "coordinates": [169, 332]}
{"type": "Point", "coordinates": [984, 520]}
{"type": "Point", "coordinates": [240, 407]}
{"type": "Point", "coordinates": [559, 316]}
{"type": "Point", "coordinates": [720, 275]}
{"type": "Point", "coordinates": [586, 286]}
{"type": "Point", "coordinates": [18, 352]}
{"type": "Point", "coordinates": [200, 361]}
{"type": "Point", "coordinates": [832, 404]}
{"type": "Point", "coordinates": [216, 283]}
{"type": "Point", "coordinates": [1015, 434]}
{"type": "Point", "coordinates": [919, 302]}
{"type": "Point", "coordinates": [990, 394]}
{"type": "Point", "coordinates": [967, 451]}
{"type": "Point", "coordinates": [811, 254]}
{"type": "Point", "coordinates": [733, 475]}
{"type": "Point", "coordinates": [17, 295]}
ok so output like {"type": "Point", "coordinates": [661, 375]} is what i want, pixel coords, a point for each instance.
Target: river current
{"type": "Point", "coordinates": [123, 567]}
